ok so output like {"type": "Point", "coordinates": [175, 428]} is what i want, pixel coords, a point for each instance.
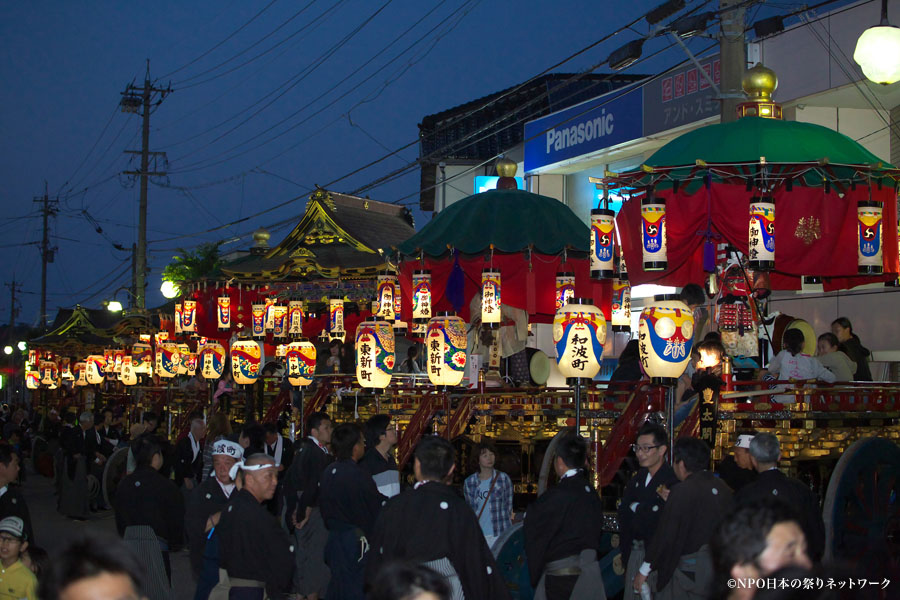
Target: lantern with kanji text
{"type": "Point", "coordinates": [565, 289]}
{"type": "Point", "coordinates": [246, 361]}
{"type": "Point", "coordinates": [621, 305]}
{"type": "Point", "coordinates": [762, 233]}
{"type": "Point", "coordinates": [223, 313]}
{"type": "Point", "coordinates": [490, 297]}
{"type": "Point", "coordinates": [375, 353]}
{"type": "Point", "coordinates": [300, 359]}
{"type": "Point", "coordinates": [295, 318]}
{"type": "Point", "coordinates": [666, 333]}
{"type": "Point", "coordinates": [421, 296]}
{"type": "Point", "coordinates": [869, 254]}
{"type": "Point", "coordinates": [579, 332]}
{"type": "Point", "coordinates": [603, 226]}
{"type": "Point", "coordinates": [212, 360]}
{"type": "Point", "coordinates": [653, 234]}
{"type": "Point", "coordinates": [445, 349]}
{"type": "Point", "coordinates": [336, 329]}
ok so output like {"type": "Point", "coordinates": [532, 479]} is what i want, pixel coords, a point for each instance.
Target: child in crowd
{"type": "Point", "coordinates": [16, 579]}
{"type": "Point", "coordinates": [792, 364]}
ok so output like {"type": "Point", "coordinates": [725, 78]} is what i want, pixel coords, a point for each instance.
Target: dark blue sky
{"type": "Point", "coordinates": [64, 65]}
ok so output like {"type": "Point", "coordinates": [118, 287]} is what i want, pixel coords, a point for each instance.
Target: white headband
{"type": "Point", "coordinates": [743, 441]}
{"type": "Point", "coordinates": [240, 465]}
{"type": "Point", "coordinates": [228, 448]}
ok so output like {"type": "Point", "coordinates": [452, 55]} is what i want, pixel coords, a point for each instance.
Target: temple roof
{"type": "Point", "coordinates": [85, 329]}
{"type": "Point", "coordinates": [338, 236]}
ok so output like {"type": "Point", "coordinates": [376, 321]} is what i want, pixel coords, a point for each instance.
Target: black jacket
{"type": "Point", "coordinates": [147, 498]}
{"type": "Point", "coordinates": [186, 464]}
{"type": "Point", "coordinates": [859, 354]}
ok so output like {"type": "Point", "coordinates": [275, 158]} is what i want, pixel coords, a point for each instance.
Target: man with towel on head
{"type": "Point", "coordinates": [737, 470]}
{"type": "Point", "coordinates": [204, 509]}
{"type": "Point", "coordinates": [256, 557]}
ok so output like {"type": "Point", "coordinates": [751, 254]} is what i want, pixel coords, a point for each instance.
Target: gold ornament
{"type": "Point", "coordinates": [808, 230]}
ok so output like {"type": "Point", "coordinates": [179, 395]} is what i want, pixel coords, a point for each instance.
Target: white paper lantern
{"type": "Point", "coordinates": [621, 306]}
{"type": "Point", "coordinates": [189, 316]}
{"type": "Point", "coordinates": [336, 329]}
{"type": "Point", "coordinates": [142, 358]}
{"type": "Point", "coordinates": [666, 334]}
{"type": "Point", "coordinates": [95, 369]}
{"type": "Point", "coordinates": [579, 332]}
{"type": "Point", "coordinates": [279, 329]}
{"type": "Point", "coordinates": [223, 313]}
{"type": "Point", "coordinates": [603, 227]}
{"type": "Point", "coordinates": [762, 233]}
{"type": "Point", "coordinates": [653, 233]}
{"type": "Point", "coordinates": [212, 360]}
{"type": "Point", "coordinates": [490, 297]}
{"type": "Point", "coordinates": [295, 318]}
{"type": "Point", "coordinates": [300, 358]}
{"type": "Point", "coordinates": [33, 380]}
{"type": "Point", "coordinates": [387, 288]}
{"type": "Point", "coordinates": [178, 315]}
{"type": "Point", "coordinates": [565, 289]}
{"type": "Point", "coordinates": [445, 349]}
{"type": "Point", "coordinates": [79, 371]}
{"type": "Point", "coordinates": [258, 316]}
{"type": "Point", "coordinates": [375, 353]}
{"type": "Point", "coordinates": [168, 360]}
{"type": "Point", "coordinates": [421, 296]}
{"type": "Point", "coordinates": [869, 227]}
{"type": "Point", "coordinates": [49, 373]}
{"type": "Point", "coordinates": [878, 53]}
{"type": "Point", "coordinates": [246, 361]}
{"type": "Point", "coordinates": [128, 375]}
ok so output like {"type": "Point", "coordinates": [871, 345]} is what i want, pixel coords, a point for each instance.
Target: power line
{"type": "Point", "coordinates": [228, 37]}
{"type": "Point", "coordinates": [89, 152]}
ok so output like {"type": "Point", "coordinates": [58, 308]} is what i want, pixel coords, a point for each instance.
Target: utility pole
{"type": "Point", "coordinates": [47, 253]}
{"type": "Point", "coordinates": [733, 54]}
{"type": "Point", "coordinates": [135, 99]}
{"type": "Point", "coordinates": [13, 311]}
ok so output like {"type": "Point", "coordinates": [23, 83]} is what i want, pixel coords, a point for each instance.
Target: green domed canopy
{"type": "Point", "coordinates": [510, 220]}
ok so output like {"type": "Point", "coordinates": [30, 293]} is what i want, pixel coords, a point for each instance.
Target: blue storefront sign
{"type": "Point", "coordinates": [599, 123]}
{"type": "Point", "coordinates": [679, 97]}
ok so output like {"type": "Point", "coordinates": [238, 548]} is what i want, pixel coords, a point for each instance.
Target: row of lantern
{"type": "Point", "coordinates": [761, 236]}
{"type": "Point", "coordinates": [579, 333]}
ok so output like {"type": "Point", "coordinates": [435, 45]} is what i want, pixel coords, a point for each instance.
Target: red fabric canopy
{"type": "Point", "coordinates": [815, 234]}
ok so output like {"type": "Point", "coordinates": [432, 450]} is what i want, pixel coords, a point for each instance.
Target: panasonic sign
{"type": "Point", "coordinates": [599, 123]}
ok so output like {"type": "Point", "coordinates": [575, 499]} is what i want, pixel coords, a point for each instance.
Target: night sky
{"type": "Point", "coordinates": [314, 102]}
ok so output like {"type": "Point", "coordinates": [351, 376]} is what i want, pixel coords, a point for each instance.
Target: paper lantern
{"type": "Point", "coordinates": [490, 297]}
{"type": "Point", "coordinates": [79, 371]}
{"type": "Point", "coordinates": [223, 313]}
{"type": "Point", "coordinates": [182, 363]}
{"type": "Point", "coordinates": [128, 375]}
{"type": "Point", "coordinates": [300, 358]}
{"type": "Point", "coordinates": [579, 332]}
{"type": "Point", "coordinates": [295, 318]}
{"type": "Point", "coordinates": [421, 296]}
{"type": "Point", "coordinates": [109, 361]}
{"type": "Point", "coordinates": [189, 316]}
{"type": "Point", "coordinates": [118, 357]}
{"type": "Point", "coordinates": [374, 353]}
{"type": "Point", "coordinates": [161, 337]}
{"type": "Point", "coordinates": [387, 288]}
{"type": "Point", "coordinates": [168, 360]}
{"type": "Point", "coordinates": [621, 305]}
{"type": "Point", "coordinates": [49, 371]}
{"type": "Point", "coordinates": [246, 361]}
{"type": "Point", "coordinates": [178, 328]}
{"type": "Point", "coordinates": [336, 320]}
{"type": "Point", "coordinates": [258, 314]}
{"type": "Point", "coordinates": [445, 345]}
{"type": "Point", "coordinates": [94, 369]}
{"type": "Point", "coordinates": [653, 235]}
{"type": "Point", "coordinates": [142, 358]}
{"type": "Point", "coordinates": [32, 380]}
{"type": "Point", "coordinates": [565, 289]}
{"type": "Point", "coordinates": [621, 267]}
{"type": "Point", "coordinates": [399, 324]}
{"type": "Point", "coordinates": [762, 233]}
{"type": "Point", "coordinates": [870, 247]}
{"type": "Point", "coordinates": [666, 333]}
{"type": "Point", "coordinates": [65, 370]}
{"type": "Point", "coordinates": [270, 314]}
{"type": "Point", "coordinates": [212, 361]}
{"type": "Point", "coordinates": [603, 226]}
{"type": "Point", "coordinates": [279, 312]}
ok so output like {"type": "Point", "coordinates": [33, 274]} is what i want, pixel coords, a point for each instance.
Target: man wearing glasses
{"type": "Point", "coordinates": [643, 500]}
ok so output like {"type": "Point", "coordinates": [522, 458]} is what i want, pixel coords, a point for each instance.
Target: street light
{"type": "Point", "coordinates": [114, 306]}
{"type": "Point", "coordinates": [22, 346]}
{"type": "Point", "coordinates": [7, 349]}
{"type": "Point", "coordinates": [878, 51]}
{"type": "Point", "coordinates": [169, 289]}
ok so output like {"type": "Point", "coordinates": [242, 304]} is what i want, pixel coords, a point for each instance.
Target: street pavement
{"type": "Point", "coordinates": [53, 531]}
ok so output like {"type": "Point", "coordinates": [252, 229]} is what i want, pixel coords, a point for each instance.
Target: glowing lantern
{"type": "Point", "coordinates": [579, 332]}
{"type": "Point", "coordinates": [374, 353]}
{"type": "Point", "coordinates": [65, 371]}
{"type": "Point", "coordinates": [653, 223]}
{"type": "Point", "coordinates": [336, 320]}
{"type": "Point", "coordinates": [178, 312]}
{"type": "Point", "coordinates": [182, 362]}
{"type": "Point", "coordinates": [94, 369]}
{"type": "Point", "coordinates": [223, 313]}
{"type": "Point", "coordinates": [603, 225]}
{"type": "Point", "coordinates": [762, 233]}
{"type": "Point", "coordinates": [270, 314]}
{"type": "Point", "coordinates": [565, 289]}
{"type": "Point", "coordinates": [246, 361]}
{"type": "Point", "coordinates": [387, 288]}
{"type": "Point", "coordinates": [161, 337]}
{"type": "Point", "coordinates": [869, 228]}
{"type": "Point", "coordinates": [168, 360]}
{"type": "Point", "coordinates": [445, 345]}
{"type": "Point", "coordinates": [189, 362]}
{"type": "Point", "coordinates": [295, 318]}
{"type": "Point", "coordinates": [300, 358]}
{"type": "Point", "coordinates": [666, 334]}
{"type": "Point", "coordinates": [128, 375]}
{"type": "Point", "coordinates": [142, 358]}
{"type": "Point", "coordinates": [189, 316]}
{"type": "Point", "coordinates": [490, 297]}
{"type": "Point", "coordinates": [421, 296]}
{"type": "Point", "coordinates": [621, 305]}
{"type": "Point", "coordinates": [399, 325]}
{"type": "Point", "coordinates": [877, 49]}
{"type": "Point", "coordinates": [49, 371]}
{"type": "Point", "coordinates": [79, 372]}
{"type": "Point", "coordinates": [109, 361]}
{"type": "Point", "coordinates": [118, 357]}
{"type": "Point", "coordinates": [212, 361]}
{"type": "Point", "coordinates": [32, 380]}
{"type": "Point", "coordinates": [258, 314]}
{"type": "Point", "coordinates": [279, 314]}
